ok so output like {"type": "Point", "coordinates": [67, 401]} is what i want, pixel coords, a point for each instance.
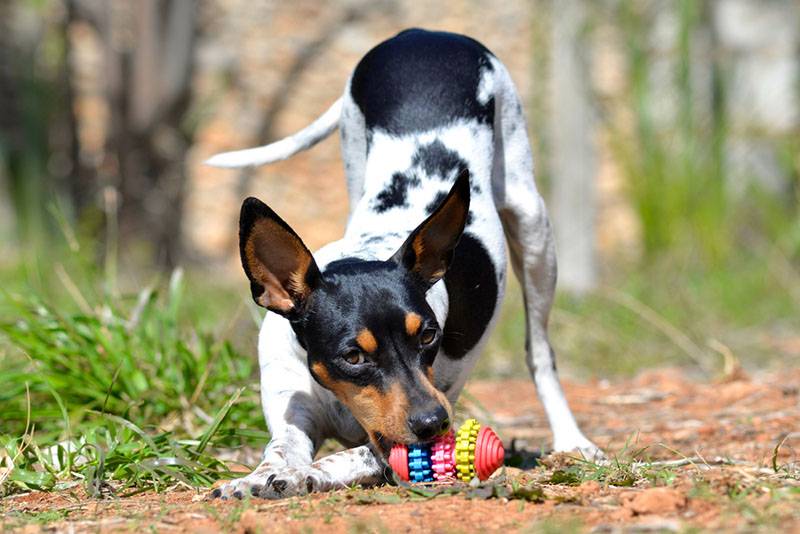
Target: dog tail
{"type": "Point", "coordinates": [286, 147]}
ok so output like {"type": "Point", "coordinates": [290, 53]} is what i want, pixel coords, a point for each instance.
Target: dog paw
{"type": "Point", "coordinates": [238, 488]}
{"type": "Point", "coordinates": [273, 484]}
{"type": "Point", "coordinates": [292, 481]}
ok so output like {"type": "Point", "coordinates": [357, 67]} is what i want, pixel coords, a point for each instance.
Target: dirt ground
{"type": "Point", "coordinates": [706, 454]}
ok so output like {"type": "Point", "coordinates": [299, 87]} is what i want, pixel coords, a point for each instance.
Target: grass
{"type": "Point", "coordinates": [120, 395]}
{"type": "Point", "coordinates": [557, 526]}
{"type": "Point", "coordinates": [715, 276]}
{"type": "Point", "coordinates": [670, 312]}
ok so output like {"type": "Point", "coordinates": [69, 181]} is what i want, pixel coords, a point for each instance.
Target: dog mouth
{"type": "Point", "coordinates": [383, 444]}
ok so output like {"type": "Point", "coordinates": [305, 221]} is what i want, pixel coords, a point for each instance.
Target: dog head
{"type": "Point", "coordinates": [370, 335]}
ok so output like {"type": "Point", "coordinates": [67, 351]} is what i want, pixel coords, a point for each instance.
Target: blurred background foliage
{"type": "Point", "coordinates": [121, 293]}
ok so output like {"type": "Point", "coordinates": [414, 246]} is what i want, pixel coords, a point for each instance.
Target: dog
{"type": "Point", "coordinates": [371, 339]}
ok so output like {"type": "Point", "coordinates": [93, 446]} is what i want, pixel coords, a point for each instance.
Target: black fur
{"type": "Point", "coordinates": [438, 160]}
{"type": "Point", "coordinates": [368, 294]}
{"type": "Point", "coordinates": [436, 202]}
{"type": "Point", "coordinates": [420, 80]}
{"type": "Point", "coordinates": [472, 291]}
{"type": "Point", "coordinates": [396, 194]}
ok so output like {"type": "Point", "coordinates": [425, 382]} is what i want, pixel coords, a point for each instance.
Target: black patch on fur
{"type": "Point", "coordinates": [438, 160]}
{"type": "Point", "coordinates": [433, 204]}
{"type": "Point", "coordinates": [396, 194]}
{"type": "Point", "coordinates": [472, 291]}
{"type": "Point", "coordinates": [419, 80]}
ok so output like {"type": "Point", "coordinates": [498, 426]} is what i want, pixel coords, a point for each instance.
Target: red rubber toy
{"type": "Point", "coordinates": [473, 451]}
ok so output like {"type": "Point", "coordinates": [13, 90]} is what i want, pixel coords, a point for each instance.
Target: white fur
{"type": "Point", "coordinates": [486, 87]}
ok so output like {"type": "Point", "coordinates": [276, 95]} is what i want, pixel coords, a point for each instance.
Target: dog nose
{"type": "Point", "coordinates": [427, 425]}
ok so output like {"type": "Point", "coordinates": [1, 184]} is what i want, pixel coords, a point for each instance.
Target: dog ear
{"type": "Point", "coordinates": [429, 249]}
{"type": "Point", "coordinates": [281, 269]}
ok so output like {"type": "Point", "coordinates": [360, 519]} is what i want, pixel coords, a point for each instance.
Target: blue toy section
{"type": "Point", "coordinates": [419, 463]}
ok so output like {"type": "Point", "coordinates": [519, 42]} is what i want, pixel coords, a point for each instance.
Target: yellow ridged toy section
{"type": "Point", "coordinates": [466, 437]}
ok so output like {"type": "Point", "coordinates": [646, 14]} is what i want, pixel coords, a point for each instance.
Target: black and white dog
{"type": "Point", "coordinates": [371, 339]}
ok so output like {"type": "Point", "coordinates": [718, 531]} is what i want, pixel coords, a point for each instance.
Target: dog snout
{"type": "Point", "coordinates": [428, 424]}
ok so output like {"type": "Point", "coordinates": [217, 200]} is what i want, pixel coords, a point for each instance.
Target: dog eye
{"type": "Point", "coordinates": [354, 357]}
{"type": "Point", "coordinates": [428, 336]}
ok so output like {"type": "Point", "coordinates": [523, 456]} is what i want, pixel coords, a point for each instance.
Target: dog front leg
{"type": "Point", "coordinates": [340, 470]}
{"type": "Point", "coordinates": [289, 410]}
{"type": "Point", "coordinates": [284, 456]}
{"type": "Point", "coordinates": [276, 479]}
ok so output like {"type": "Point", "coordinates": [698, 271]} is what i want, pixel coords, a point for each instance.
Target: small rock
{"type": "Point", "coordinates": [249, 522]}
{"type": "Point", "coordinates": [653, 501]}
{"type": "Point", "coordinates": [589, 488]}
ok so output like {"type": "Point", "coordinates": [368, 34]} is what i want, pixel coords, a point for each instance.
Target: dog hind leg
{"type": "Point", "coordinates": [531, 245]}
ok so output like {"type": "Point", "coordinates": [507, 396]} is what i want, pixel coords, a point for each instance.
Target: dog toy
{"type": "Point", "coordinates": [471, 451]}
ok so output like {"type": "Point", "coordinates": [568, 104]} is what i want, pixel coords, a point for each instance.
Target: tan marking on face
{"type": "Point", "coordinates": [339, 388]}
{"type": "Point", "coordinates": [376, 411]}
{"type": "Point", "coordinates": [386, 413]}
{"type": "Point", "coordinates": [413, 322]}
{"type": "Point", "coordinates": [322, 373]}
{"type": "Point", "coordinates": [367, 341]}
{"type": "Point", "coordinates": [427, 383]}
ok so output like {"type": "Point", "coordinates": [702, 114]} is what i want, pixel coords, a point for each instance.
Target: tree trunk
{"type": "Point", "coordinates": [573, 151]}
{"type": "Point", "coordinates": [149, 49]}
